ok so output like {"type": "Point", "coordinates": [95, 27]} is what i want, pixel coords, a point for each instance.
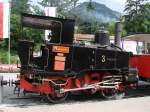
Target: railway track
{"type": "Point", "coordinates": [141, 91]}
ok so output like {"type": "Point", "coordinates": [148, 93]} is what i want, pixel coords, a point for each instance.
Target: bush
{"type": "Point", "coordinates": [4, 57]}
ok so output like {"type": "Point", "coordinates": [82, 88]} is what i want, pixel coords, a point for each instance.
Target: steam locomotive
{"type": "Point", "coordinates": [66, 67]}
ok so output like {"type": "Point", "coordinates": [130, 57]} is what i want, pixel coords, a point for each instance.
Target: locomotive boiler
{"type": "Point", "coordinates": [66, 67]}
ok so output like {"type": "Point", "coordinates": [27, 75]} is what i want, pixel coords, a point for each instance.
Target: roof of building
{"type": "Point", "coordinates": [140, 37]}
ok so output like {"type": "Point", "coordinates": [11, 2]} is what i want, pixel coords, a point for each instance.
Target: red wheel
{"type": "Point", "coordinates": [57, 97]}
{"type": "Point", "coordinates": [109, 93]}
{"type": "Point", "coordinates": [112, 93]}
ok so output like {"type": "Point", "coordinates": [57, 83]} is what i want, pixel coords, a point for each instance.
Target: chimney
{"type": "Point", "coordinates": [118, 28]}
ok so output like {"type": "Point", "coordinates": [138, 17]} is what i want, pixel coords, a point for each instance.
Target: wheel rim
{"type": "Point", "coordinates": [110, 93]}
{"type": "Point", "coordinates": [57, 97]}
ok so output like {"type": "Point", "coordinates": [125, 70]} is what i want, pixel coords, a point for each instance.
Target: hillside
{"type": "Point", "coordinates": [101, 13]}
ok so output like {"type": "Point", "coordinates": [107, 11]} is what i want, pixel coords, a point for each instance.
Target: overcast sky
{"type": "Point", "coordinates": [117, 5]}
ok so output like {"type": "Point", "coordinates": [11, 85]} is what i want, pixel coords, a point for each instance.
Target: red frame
{"type": "Point", "coordinates": [43, 88]}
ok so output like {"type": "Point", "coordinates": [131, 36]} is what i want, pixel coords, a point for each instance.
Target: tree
{"type": "Point", "coordinates": [63, 6]}
{"type": "Point", "coordinates": [18, 6]}
{"type": "Point", "coordinates": [16, 31]}
{"type": "Point", "coordinates": [90, 6]}
{"type": "Point", "coordinates": [88, 28]}
{"type": "Point", "coordinates": [137, 17]}
{"type": "Point", "coordinates": [37, 10]}
{"type": "Point", "coordinates": [111, 29]}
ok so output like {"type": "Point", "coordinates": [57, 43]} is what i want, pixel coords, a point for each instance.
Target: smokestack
{"type": "Point", "coordinates": [118, 28]}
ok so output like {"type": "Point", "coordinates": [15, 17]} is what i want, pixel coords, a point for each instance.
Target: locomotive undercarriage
{"type": "Point", "coordinates": [57, 88]}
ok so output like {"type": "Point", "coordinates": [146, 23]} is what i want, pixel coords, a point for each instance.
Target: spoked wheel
{"type": "Point", "coordinates": [120, 92]}
{"type": "Point", "coordinates": [112, 93]}
{"type": "Point", "coordinates": [57, 97]}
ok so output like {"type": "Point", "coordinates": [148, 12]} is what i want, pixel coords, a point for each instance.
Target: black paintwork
{"type": "Point", "coordinates": [25, 52]}
{"type": "Point", "coordinates": [52, 57]}
{"type": "Point", "coordinates": [62, 29]}
{"type": "Point", "coordinates": [80, 57]}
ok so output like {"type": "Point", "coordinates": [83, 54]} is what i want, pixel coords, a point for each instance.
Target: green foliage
{"type": "Point", "coordinates": [19, 6]}
{"type": "Point", "coordinates": [111, 29]}
{"type": "Point", "coordinates": [4, 56]}
{"type": "Point", "coordinates": [90, 6]}
{"type": "Point", "coordinates": [15, 34]}
{"type": "Point", "coordinates": [16, 31]}
{"type": "Point", "coordinates": [124, 32]}
{"type": "Point", "coordinates": [37, 10]}
{"type": "Point", "coordinates": [137, 18]}
{"type": "Point", "coordinates": [34, 34]}
{"type": "Point", "coordinates": [88, 28]}
{"type": "Point", "coordinates": [63, 6]}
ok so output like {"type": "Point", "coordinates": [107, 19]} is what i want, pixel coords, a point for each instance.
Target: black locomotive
{"type": "Point", "coordinates": [66, 67]}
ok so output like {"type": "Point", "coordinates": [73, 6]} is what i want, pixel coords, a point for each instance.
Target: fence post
{"type": "Point", "coordinates": [1, 89]}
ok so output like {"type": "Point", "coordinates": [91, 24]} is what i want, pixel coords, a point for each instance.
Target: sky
{"type": "Point", "coordinates": [117, 5]}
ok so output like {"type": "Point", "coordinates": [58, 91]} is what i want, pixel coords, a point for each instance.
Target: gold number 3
{"type": "Point", "coordinates": [103, 58]}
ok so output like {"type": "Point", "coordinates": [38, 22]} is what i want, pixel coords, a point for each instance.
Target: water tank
{"type": "Point", "coordinates": [102, 37]}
